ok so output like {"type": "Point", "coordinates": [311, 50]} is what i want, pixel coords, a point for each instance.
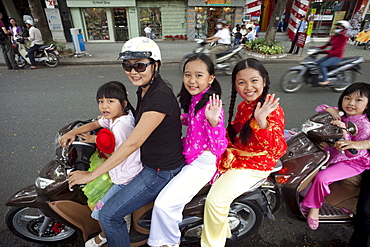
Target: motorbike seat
{"type": "Point", "coordinates": [344, 61]}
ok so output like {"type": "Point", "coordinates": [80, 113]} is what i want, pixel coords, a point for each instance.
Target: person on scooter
{"type": "Point", "coordinates": [118, 122]}
{"type": "Point", "coordinates": [157, 133]}
{"type": "Point", "coordinates": [355, 104]}
{"type": "Point", "coordinates": [338, 44]}
{"type": "Point", "coordinates": [36, 38]}
{"type": "Point", "coordinates": [223, 39]}
{"type": "Point", "coordinates": [256, 142]}
{"type": "Point", "coordinates": [6, 46]}
{"type": "Point", "coordinates": [361, 233]}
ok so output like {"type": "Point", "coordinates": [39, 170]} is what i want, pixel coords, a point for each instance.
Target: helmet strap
{"type": "Point", "coordinates": [155, 74]}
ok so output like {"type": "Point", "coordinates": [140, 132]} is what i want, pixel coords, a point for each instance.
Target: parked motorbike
{"type": "Point", "coordinates": [48, 212]}
{"type": "Point", "coordinates": [227, 59]}
{"type": "Point", "coordinates": [304, 159]}
{"type": "Point", "coordinates": [340, 75]}
{"type": "Point", "coordinates": [47, 54]}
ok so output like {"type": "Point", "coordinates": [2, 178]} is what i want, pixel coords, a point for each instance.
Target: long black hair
{"type": "Point", "coordinates": [115, 90]}
{"type": "Point", "coordinates": [363, 89]}
{"type": "Point", "coordinates": [244, 64]}
{"type": "Point", "coordinates": [185, 96]}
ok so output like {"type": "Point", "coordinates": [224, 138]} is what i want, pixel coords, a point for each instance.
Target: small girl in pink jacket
{"type": "Point", "coordinates": [355, 104]}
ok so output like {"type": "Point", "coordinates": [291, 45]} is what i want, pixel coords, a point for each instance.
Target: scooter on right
{"type": "Point", "coordinates": [340, 75]}
{"type": "Point", "coordinates": [304, 158]}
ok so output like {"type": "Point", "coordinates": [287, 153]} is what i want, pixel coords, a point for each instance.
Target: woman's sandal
{"type": "Point", "coordinates": [91, 242]}
{"type": "Point", "coordinates": [312, 223]}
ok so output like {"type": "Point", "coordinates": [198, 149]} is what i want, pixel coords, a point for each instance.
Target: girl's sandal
{"type": "Point", "coordinates": [312, 223]}
{"type": "Point", "coordinates": [92, 243]}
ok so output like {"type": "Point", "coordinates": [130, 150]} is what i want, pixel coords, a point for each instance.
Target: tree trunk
{"type": "Point", "coordinates": [275, 19]}
{"type": "Point", "coordinates": [37, 12]}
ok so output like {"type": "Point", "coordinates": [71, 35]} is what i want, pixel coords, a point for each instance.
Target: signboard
{"type": "Point", "coordinates": [50, 4]}
{"type": "Point", "coordinates": [54, 20]}
{"type": "Point", "coordinates": [301, 41]}
{"type": "Point", "coordinates": [217, 2]}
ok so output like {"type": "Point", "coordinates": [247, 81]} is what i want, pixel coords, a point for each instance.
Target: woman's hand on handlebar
{"type": "Point", "coordinates": [79, 177]}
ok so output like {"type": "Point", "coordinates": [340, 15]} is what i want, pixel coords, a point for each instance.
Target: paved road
{"type": "Point", "coordinates": [35, 104]}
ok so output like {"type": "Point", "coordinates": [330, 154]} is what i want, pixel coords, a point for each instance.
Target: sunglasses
{"type": "Point", "coordinates": [139, 67]}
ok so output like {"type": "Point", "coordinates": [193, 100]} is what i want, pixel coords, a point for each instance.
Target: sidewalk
{"type": "Point", "coordinates": [174, 51]}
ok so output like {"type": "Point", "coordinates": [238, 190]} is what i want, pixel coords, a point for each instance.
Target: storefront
{"type": "Point", "coordinates": [102, 21]}
{"type": "Point", "coordinates": [166, 18]}
{"type": "Point", "coordinates": [203, 15]}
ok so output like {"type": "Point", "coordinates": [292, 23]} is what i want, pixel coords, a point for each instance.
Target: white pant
{"type": "Point", "coordinates": [168, 207]}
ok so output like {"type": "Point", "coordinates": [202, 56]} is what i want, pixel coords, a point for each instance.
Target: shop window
{"type": "Point", "coordinates": [96, 23]}
{"type": "Point", "coordinates": [120, 24]}
{"type": "Point", "coordinates": [151, 16]}
{"type": "Point", "coordinates": [206, 19]}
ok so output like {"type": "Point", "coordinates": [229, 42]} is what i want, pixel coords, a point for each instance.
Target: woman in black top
{"type": "Point", "coordinates": [157, 134]}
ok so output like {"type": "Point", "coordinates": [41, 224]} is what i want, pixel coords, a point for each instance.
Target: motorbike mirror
{"type": "Point", "coordinates": [352, 128]}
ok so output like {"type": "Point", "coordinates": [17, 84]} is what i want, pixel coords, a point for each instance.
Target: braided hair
{"type": "Point", "coordinates": [115, 90]}
{"type": "Point", "coordinates": [185, 96]}
{"type": "Point", "coordinates": [244, 64]}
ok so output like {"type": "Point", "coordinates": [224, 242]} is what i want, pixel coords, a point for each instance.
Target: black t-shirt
{"type": "Point", "coordinates": [163, 148]}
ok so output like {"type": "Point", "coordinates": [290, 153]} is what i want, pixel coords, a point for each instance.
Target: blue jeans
{"type": "Point", "coordinates": [31, 54]}
{"type": "Point", "coordinates": [142, 190]}
{"type": "Point", "coordinates": [113, 190]}
{"type": "Point", "coordinates": [324, 63]}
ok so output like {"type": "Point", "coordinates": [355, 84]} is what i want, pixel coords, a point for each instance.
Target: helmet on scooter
{"type": "Point", "coordinates": [29, 22]}
{"type": "Point", "coordinates": [343, 23]}
{"type": "Point", "coordinates": [140, 47]}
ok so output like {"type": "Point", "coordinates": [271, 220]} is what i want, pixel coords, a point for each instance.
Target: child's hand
{"type": "Point", "coordinates": [340, 124]}
{"type": "Point", "coordinates": [334, 113]}
{"type": "Point", "coordinates": [88, 138]}
{"type": "Point", "coordinates": [67, 139]}
{"type": "Point", "coordinates": [262, 111]}
{"type": "Point", "coordinates": [213, 110]}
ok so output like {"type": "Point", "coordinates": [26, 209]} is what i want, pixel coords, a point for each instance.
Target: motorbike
{"type": "Point", "coordinates": [340, 75]}
{"type": "Point", "coordinates": [47, 54]}
{"type": "Point", "coordinates": [304, 158]}
{"type": "Point", "coordinates": [227, 59]}
{"type": "Point", "coordinates": [49, 212]}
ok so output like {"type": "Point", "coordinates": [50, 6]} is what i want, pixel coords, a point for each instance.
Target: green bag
{"type": "Point", "coordinates": [95, 190]}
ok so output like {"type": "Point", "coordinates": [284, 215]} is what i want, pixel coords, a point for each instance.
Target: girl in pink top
{"type": "Point", "coordinates": [204, 142]}
{"type": "Point", "coordinates": [118, 117]}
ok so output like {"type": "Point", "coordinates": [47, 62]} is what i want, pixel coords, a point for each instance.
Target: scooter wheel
{"type": "Point", "coordinates": [367, 45]}
{"type": "Point", "coordinates": [25, 222]}
{"type": "Point", "coordinates": [349, 78]}
{"type": "Point", "coordinates": [289, 82]}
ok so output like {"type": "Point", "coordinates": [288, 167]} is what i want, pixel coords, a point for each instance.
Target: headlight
{"type": "Point", "coordinates": [42, 183]}
{"type": "Point", "coordinates": [309, 125]}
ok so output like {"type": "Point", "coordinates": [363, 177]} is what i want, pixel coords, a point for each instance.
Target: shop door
{"type": "Point", "coordinates": [153, 17]}
{"type": "Point", "coordinates": [206, 19]}
{"type": "Point", "coordinates": [97, 24]}
{"type": "Point", "coordinates": [120, 24]}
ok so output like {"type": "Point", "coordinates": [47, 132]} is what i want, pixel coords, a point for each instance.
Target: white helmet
{"type": "Point", "coordinates": [30, 22]}
{"type": "Point", "coordinates": [343, 23]}
{"type": "Point", "coordinates": [140, 47]}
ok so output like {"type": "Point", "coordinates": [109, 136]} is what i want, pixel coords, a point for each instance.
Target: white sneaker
{"type": "Point", "coordinates": [91, 242]}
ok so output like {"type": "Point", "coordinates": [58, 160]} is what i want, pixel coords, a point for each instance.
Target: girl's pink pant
{"type": "Point", "coordinates": [320, 185]}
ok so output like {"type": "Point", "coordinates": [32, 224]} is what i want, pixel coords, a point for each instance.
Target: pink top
{"type": "Point", "coordinates": [361, 160]}
{"type": "Point", "coordinates": [121, 129]}
{"type": "Point", "coordinates": [200, 135]}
